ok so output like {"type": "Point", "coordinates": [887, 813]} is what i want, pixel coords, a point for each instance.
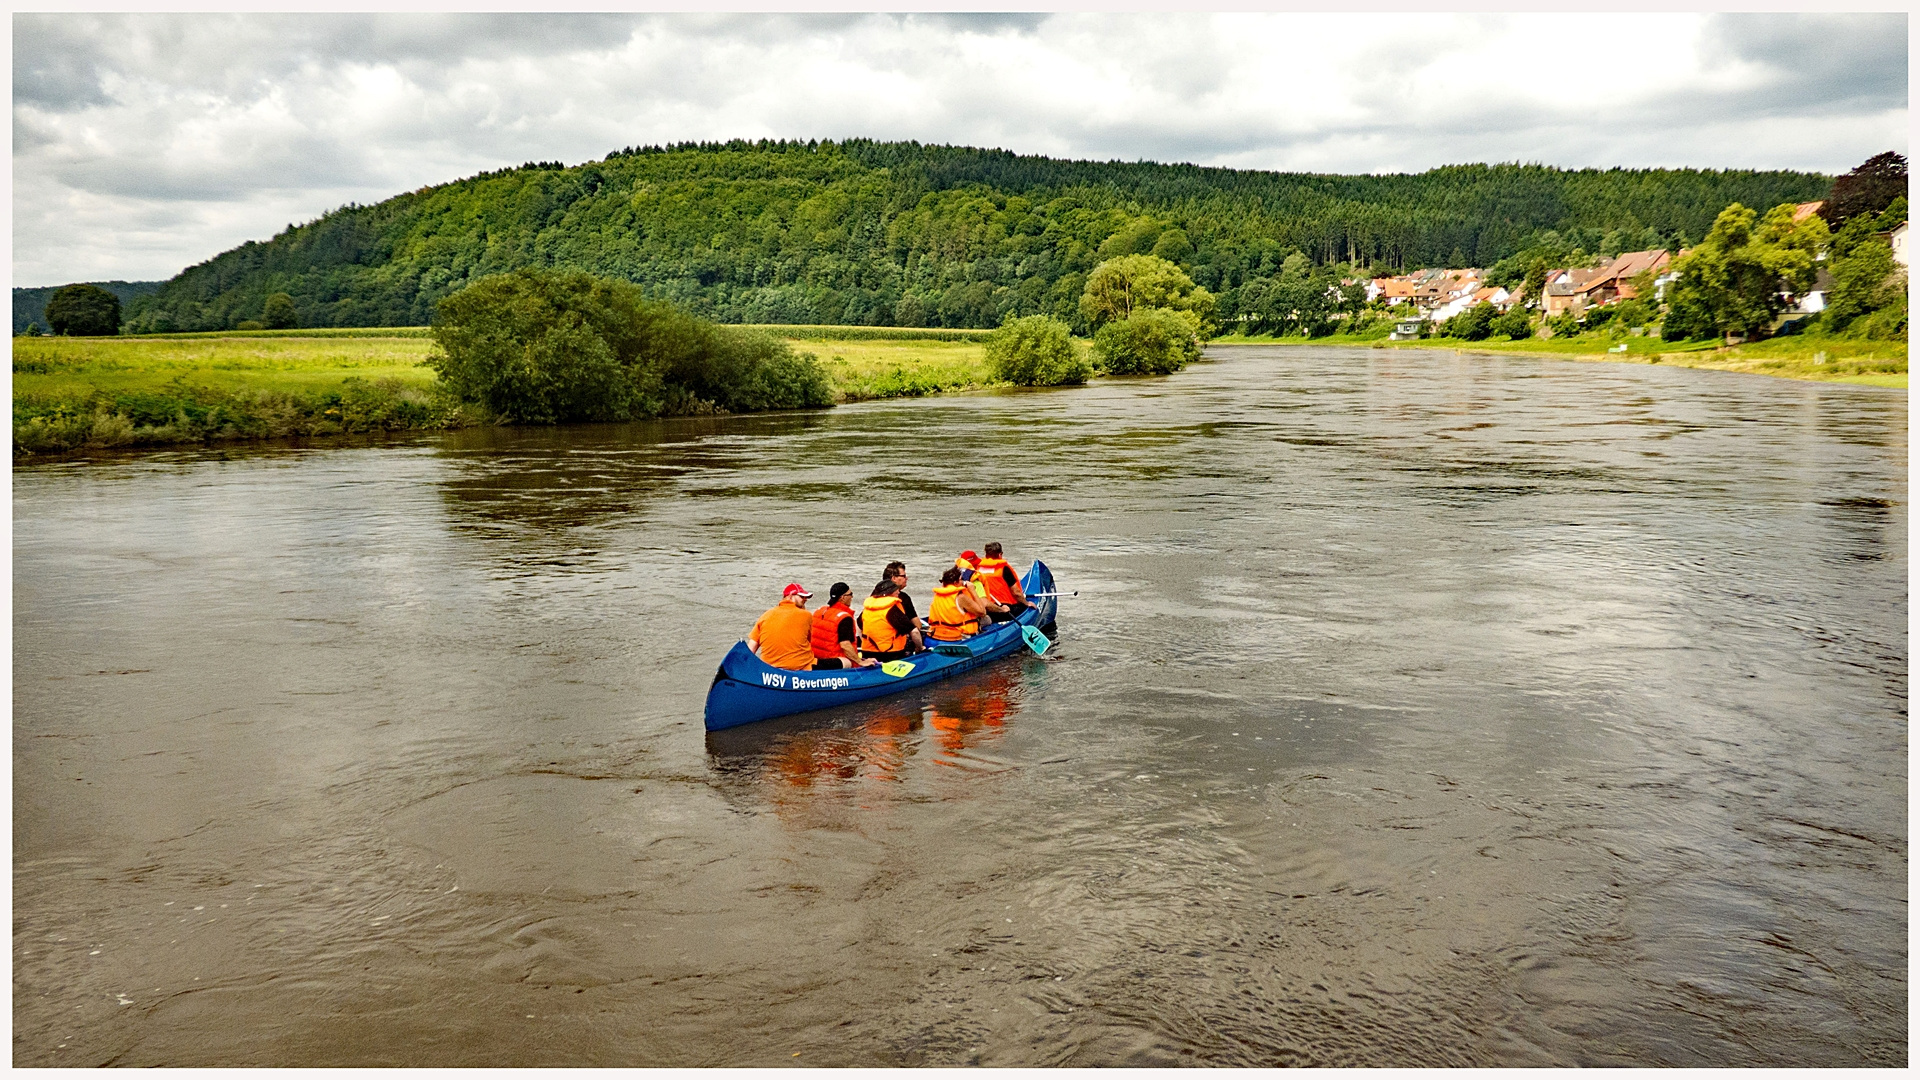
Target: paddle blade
{"type": "Point", "coordinates": [1035, 640]}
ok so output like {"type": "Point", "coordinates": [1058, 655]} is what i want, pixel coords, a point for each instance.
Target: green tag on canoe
{"type": "Point", "coordinates": [899, 669]}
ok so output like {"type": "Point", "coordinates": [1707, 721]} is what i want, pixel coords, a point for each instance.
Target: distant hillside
{"type": "Point", "coordinates": [903, 234]}
{"type": "Point", "coordinates": [30, 305]}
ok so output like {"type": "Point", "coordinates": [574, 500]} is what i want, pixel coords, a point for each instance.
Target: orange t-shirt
{"type": "Point", "coordinates": [785, 634]}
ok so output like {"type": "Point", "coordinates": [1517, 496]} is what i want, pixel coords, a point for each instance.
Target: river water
{"type": "Point", "coordinates": [1414, 708]}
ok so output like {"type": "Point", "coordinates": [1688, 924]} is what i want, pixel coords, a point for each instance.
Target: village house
{"type": "Point", "coordinates": [1577, 290]}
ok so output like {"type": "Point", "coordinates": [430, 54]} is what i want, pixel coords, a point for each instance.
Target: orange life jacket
{"type": "Point", "coordinates": [876, 633]}
{"type": "Point", "coordinates": [996, 583]}
{"type": "Point", "coordinates": [826, 631]}
{"type": "Point", "coordinates": [950, 621]}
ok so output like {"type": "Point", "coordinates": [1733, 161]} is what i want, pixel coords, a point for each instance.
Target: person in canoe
{"type": "Point", "coordinates": [896, 572]}
{"type": "Point", "coordinates": [1003, 585]}
{"type": "Point", "coordinates": [969, 566]}
{"type": "Point", "coordinates": [836, 643]}
{"type": "Point", "coordinates": [783, 637]}
{"type": "Point", "coordinates": [956, 612]}
{"type": "Point", "coordinates": [886, 631]}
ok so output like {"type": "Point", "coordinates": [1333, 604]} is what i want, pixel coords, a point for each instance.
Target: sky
{"type": "Point", "coordinates": [143, 144]}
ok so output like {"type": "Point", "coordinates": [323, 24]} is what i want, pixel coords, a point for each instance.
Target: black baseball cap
{"type": "Point", "coordinates": [840, 589]}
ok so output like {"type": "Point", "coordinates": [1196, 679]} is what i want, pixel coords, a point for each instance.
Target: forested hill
{"type": "Point", "coordinates": [899, 233]}
{"type": "Point", "coordinates": [30, 302]}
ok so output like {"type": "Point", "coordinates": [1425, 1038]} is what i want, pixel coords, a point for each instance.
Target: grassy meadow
{"type": "Point", "coordinates": [1813, 357]}
{"type": "Point", "coordinates": [152, 391]}
{"type": "Point", "coordinates": [167, 389]}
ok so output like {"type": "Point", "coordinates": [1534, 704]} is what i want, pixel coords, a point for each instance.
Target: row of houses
{"type": "Point", "coordinates": [1442, 294]}
{"type": "Point", "coordinates": [1438, 295]}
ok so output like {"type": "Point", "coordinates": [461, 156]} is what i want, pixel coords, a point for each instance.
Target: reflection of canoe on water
{"type": "Point", "coordinates": [746, 690]}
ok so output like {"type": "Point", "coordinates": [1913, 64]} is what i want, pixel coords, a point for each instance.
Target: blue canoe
{"type": "Point", "coordinates": [745, 690]}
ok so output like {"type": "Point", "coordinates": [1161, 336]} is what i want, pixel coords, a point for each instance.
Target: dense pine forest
{"type": "Point", "coordinates": [872, 233]}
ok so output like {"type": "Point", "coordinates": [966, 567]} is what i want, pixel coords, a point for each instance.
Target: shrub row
{"type": "Point", "coordinates": [187, 414]}
{"type": "Point", "coordinates": [546, 347]}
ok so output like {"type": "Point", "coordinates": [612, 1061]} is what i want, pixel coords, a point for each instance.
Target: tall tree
{"type": "Point", "coordinates": [1119, 287]}
{"type": "Point", "coordinates": [84, 311]}
{"type": "Point", "coordinates": [1742, 274]}
{"type": "Point", "coordinates": [278, 313]}
{"type": "Point", "coordinates": [1870, 188]}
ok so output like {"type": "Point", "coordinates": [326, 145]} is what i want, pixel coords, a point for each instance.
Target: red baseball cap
{"type": "Point", "coordinates": [794, 590]}
{"type": "Point", "coordinates": [969, 556]}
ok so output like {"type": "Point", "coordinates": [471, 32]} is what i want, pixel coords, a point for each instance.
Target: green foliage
{"type": "Point", "coordinates": [1036, 351]}
{"type": "Point", "coordinates": [1300, 299]}
{"type": "Point", "coordinates": [181, 413]}
{"type": "Point", "coordinates": [872, 333]}
{"type": "Point", "coordinates": [84, 311]}
{"type": "Point", "coordinates": [1865, 280]}
{"type": "Point", "coordinates": [30, 303]}
{"type": "Point", "coordinates": [1513, 325]}
{"type": "Point", "coordinates": [1473, 324]}
{"type": "Point", "coordinates": [876, 233]}
{"type": "Point", "coordinates": [1120, 286]}
{"type": "Point", "coordinates": [1734, 279]}
{"type": "Point", "coordinates": [278, 313]}
{"type": "Point", "coordinates": [249, 325]}
{"type": "Point", "coordinates": [1150, 341]}
{"type": "Point", "coordinates": [1687, 318]}
{"type": "Point", "coordinates": [1636, 312]}
{"type": "Point", "coordinates": [545, 347]}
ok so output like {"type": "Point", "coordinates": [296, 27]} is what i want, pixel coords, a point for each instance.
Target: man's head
{"type": "Point", "coordinates": [951, 577]}
{"type": "Point", "coordinates": [967, 560]}
{"type": "Point", "coordinates": [795, 595]}
{"type": "Point", "coordinates": [895, 572]}
{"type": "Point", "coordinates": [885, 588]}
{"type": "Point", "coordinates": [840, 591]}
{"type": "Point", "coordinates": [993, 550]}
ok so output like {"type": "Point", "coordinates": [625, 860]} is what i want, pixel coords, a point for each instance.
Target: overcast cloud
{"type": "Point", "coordinates": [143, 144]}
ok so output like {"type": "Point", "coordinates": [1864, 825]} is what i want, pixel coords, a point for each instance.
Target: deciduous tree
{"type": "Point", "coordinates": [1119, 287]}
{"type": "Point", "coordinates": [84, 311]}
{"type": "Point", "coordinates": [1743, 273]}
{"type": "Point", "coordinates": [279, 313]}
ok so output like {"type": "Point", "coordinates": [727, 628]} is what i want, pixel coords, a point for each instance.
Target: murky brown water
{"type": "Point", "coordinates": [1414, 709]}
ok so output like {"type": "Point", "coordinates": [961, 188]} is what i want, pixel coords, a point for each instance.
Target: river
{"type": "Point", "coordinates": [1415, 708]}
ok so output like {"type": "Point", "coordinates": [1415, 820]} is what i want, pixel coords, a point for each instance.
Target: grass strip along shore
{"type": "Point", "coordinates": [174, 389]}
{"type": "Point", "coordinates": [1816, 358]}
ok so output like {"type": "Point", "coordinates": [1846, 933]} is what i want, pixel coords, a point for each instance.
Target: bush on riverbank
{"type": "Point", "coordinates": [180, 414]}
{"type": "Point", "coordinates": [545, 347]}
{"type": "Point", "coordinates": [1151, 341]}
{"type": "Point", "coordinates": [1036, 351]}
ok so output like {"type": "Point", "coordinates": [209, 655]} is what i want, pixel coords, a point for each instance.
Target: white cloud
{"type": "Point", "coordinates": [145, 143]}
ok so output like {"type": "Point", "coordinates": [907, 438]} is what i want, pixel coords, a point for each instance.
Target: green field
{"type": "Point", "coordinates": [1813, 357]}
{"type": "Point", "coordinates": [156, 390]}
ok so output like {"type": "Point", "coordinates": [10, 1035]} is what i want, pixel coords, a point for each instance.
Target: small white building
{"type": "Point", "coordinates": [1898, 240]}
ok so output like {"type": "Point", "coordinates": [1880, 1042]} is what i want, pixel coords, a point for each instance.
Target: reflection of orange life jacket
{"type": "Point", "coordinates": [826, 631]}
{"type": "Point", "coordinates": [950, 621]}
{"type": "Point", "coordinates": [996, 583]}
{"type": "Point", "coordinates": [876, 633]}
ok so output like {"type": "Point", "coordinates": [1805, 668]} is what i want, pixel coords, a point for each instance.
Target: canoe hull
{"type": "Point", "coordinates": [746, 691]}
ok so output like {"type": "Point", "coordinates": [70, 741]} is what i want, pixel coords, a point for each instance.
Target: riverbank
{"type": "Point", "coordinates": [173, 389]}
{"type": "Point", "coordinates": [1812, 358]}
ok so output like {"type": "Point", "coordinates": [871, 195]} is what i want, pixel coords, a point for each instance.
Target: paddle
{"type": "Point", "coordinates": [1037, 595]}
{"type": "Point", "coordinates": [1035, 640]}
